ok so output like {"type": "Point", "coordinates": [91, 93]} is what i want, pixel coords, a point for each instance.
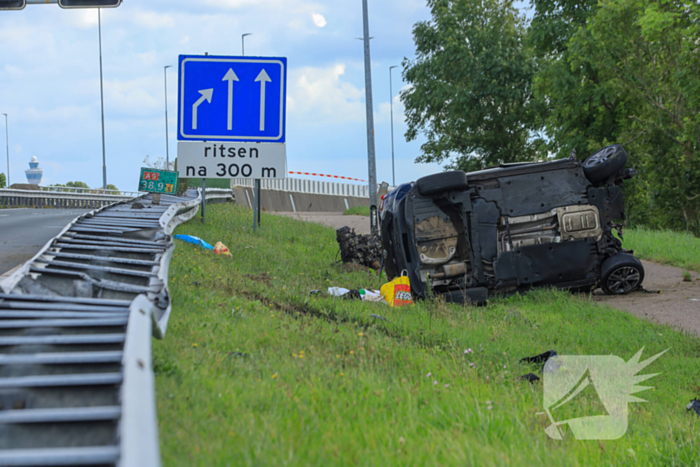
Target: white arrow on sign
{"type": "Point", "coordinates": [263, 78]}
{"type": "Point", "coordinates": [206, 95]}
{"type": "Point", "coordinates": [230, 77]}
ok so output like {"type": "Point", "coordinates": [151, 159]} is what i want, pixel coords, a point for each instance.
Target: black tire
{"type": "Point", "coordinates": [621, 274]}
{"type": "Point", "coordinates": [442, 182]}
{"type": "Point", "coordinates": [477, 296]}
{"type": "Point", "coordinates": [605, 163]}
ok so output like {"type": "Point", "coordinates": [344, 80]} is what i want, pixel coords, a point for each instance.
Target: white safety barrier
{"type": "Point", "coordinates": [300, 185]}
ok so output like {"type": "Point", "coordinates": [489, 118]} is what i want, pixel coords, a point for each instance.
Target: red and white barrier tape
{"type": "Point", "coordinates": [329, 176]}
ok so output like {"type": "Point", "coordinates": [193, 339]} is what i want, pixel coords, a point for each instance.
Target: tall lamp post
{"type": "Point", "coordinates": [102, 101]}
{"type": "Point", "coordinates": [391, 105]}
{"type": "Point", "coordinates": [7, 141]}
{"type": "Point", "coordinates": [369, 108]}
{"type": "Point", "coordinates": [167, 150]}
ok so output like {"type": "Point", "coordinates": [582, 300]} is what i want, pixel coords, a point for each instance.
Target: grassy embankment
{"type": "Point", "coordinates": [357, 211]}
{"type": "Point", "coordinates": [254, 370]}
{"type": "Point", "coordinates": [680, 249]}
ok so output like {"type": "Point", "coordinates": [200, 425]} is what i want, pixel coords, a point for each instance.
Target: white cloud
{"type": "Point", "coordinates": [12, 71]}
{"type": "Point", "coordinates": [84, 18]}
{"type": "Point", "coordinates": [384, 114]}
{"type": "Point", "coordinates": [153, 20]}
{"type": "Point", "coordinates": [319, 95]}
{"type": "Point", "coordinates": [148, 58]}
{"type": "Point", "coordinates": [134, 97]}
{"type": "Point", "coordinates": [319, 20]}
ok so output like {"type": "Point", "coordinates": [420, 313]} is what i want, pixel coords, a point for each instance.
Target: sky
{"type": "Point", "coordinates": [50, 82]}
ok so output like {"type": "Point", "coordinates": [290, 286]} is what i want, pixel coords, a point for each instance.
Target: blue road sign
{"type": "Point", "coordinates": [232, 98]}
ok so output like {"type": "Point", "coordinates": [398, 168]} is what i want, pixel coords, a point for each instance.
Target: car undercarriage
{"type": "Point", "coordinates": [466, 236]}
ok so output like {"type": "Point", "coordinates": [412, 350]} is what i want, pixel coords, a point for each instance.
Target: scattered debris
{"type": "Point", "coordinates": [541, 358]}
{"type": "Point", "coordinates": [337, 291]}
{"type": "Point", "coordinates": [369, 295]}
{"type": "Point", "coordinates": [530, 377]}
{"type": "Point", "coordinates": [359, 249]}
{"type": "Point", "coordinates": [352, 294]}
{"type": "Point", "coordinates": [221, 249]}
{"type": "Point", "coordinates": [398, 292]}
{"type": "Point", "coordinates": [694, 405]}
{"type": "Point", "coordinates": [194, 240]}
{"type": "Point", "coordinates": [377, 317]}
{"type": "Point", "coordinates": [237, 354]}
{"type": "Point", "coordinates": [137, 205]}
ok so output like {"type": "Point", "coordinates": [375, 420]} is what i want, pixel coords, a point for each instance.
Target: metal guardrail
{"type": "Point", "coordinates": [95, 191]}
{"type": "Point", "coordinates": [299, 185]}
{"type": "Point", "coordinates": [55, 199]}
{"type": "Point", "coordinates": [76, 383]}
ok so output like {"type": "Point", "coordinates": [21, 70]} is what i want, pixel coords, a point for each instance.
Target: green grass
{"type": "Point", "coordinates": [255, 371]}
{"type": "Point", "coordinates": [357, 211]}
{"type": "Point", "coordinates": [680, 249]}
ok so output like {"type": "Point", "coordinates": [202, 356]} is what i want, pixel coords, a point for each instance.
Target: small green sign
{"type": "Point", "coordinates": [157, 181]}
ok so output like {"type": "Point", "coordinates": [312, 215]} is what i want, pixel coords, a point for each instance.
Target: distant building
{"type": "Point", "coordinates": [34, 173]}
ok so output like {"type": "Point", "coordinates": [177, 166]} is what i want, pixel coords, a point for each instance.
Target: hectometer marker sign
{"type": "Point", "coordinates": [232, 98]}
{"type": "Point", "coordinates": [157, 181]}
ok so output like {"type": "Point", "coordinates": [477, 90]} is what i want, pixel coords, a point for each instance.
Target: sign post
{"type": "Point", "coordinates": [232, 118]}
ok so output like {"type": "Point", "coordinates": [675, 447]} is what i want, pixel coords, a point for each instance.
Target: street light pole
{"type": "Point", "coordinates": [102, 101]}
{"type": "Point", "coordinates": [243, 42]}
{"type": "Point", "coordinates": [371, 159]}
{"type": "Point", "coordinates": [7, 141]}
{"type": "Point", "coordinates": [167, 150]}
{"type": "Point", "coordinates": [391, 104]}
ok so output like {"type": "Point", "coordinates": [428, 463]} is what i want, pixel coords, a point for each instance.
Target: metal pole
{"type": "Point", "coordinates": [256, 183]}
{"type": "Point", "coordinates": [167, 150]}
{"type": "Point", "coordinates": [7, 141]}
{"type": "Point", "coordinates": [204, 186]}
{"type": "Point", "coordinates": [102, 101]}
{"type": "Point", "coordinates": [204, 197]}
{"type": "Point", "coordinates": [371, 159]}
{"type": "Point", "coordinates": [391, 103]}
{"type": "Point", "coordinates": [243, 42]}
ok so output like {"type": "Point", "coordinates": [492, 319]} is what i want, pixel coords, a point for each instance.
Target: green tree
{"type": "Point", "coordinates": [3, 180]}
{"type": "Point", "coordinates": [582, 110]}
{"type": "Point", "coordinates": [627, 71]}
{"type": "Point", "coordinates": [470, 86]}
{"type": "Point", "coordinates": [77, 185]}
{"type": "Point", "coordinates": [651, 57]}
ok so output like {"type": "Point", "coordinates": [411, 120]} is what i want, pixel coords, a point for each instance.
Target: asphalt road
{"type": "Point", "coordinates": [24, 231]}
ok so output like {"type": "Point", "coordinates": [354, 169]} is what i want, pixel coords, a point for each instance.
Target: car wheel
{"type": "Point", "coordinates": [442, 182]}
{"type": "Point", "coordinates": [621, 274]}
{"type": "Point", "coordinates": [605, 163]}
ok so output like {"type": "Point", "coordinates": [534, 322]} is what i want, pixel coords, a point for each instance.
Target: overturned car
{"type": "Point", "coordinates": [466, 236]}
